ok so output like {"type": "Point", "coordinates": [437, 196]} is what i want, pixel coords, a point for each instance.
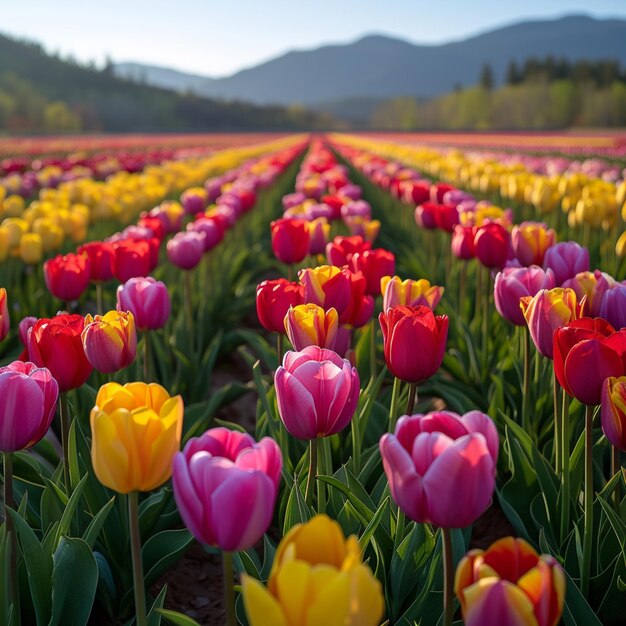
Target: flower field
{"type": "Point", "coordinates": [292, 380]}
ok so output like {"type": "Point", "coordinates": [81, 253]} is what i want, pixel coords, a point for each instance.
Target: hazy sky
{"type": "Point", "coordinates": [217, 37]}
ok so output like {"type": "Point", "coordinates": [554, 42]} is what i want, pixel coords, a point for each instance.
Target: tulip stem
{"type": "Point", "coordinates": [146, 358]}
{"type": "Point", "coordinates": [229, 590]}
{"type": "Point", "coordinates": [308, 494]}
{"type": "Point", "coordinates": [462, 285]}
{"type": "Point", "coordinates": [64, 412]}
{"type": "Point", "coordinates": [187, 294]}
{"type": "Point", "coordinates": [565, 454]}
{"type": "Point", "coordinates": [526, 389]}
{"type": "Point", "coordinates": [448, 577]}
{"type": "Point", "coordinates": [99, 299]}
{"type": "Point", "coordinates": [279, 347]}
{"type": "Point", "coordinates": [393, 410]}
{"type": "Point", "coordinates": [410, 404]}
{"type": "Point", "coordinates": [588, 528]}
{"type": "Point", "coordinates": [558, 446]}
{"type": "Point", "coordinates": [373, 368]}
{"type": "Point", "coordinates": [7, 458]}
{"type": "Point", "coordinates": [135, 545]}
{"type": "Point", "coordinates": [615, 468]}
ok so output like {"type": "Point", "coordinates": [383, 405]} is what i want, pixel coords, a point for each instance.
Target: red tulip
{"type": "Point", "coordinates": [340, 250]}
{"type": "Point", "coordinates": [463, 242]}
{"type": "Point", "coordinates": [67, 276]}
{"type": "Point", "coordinates": [100, 255]}
{"type": "Point", "coordinates": [290, 239]}
{"type": "Point", "coordinates": [426, 215]}
{"type": "Point", "coordinates": [132, 259]}
{"type": "Point", "coordinates": [407, 328]}
{"type": "Point", "coordinates": [374, 264]}
{"type": "Point", "coordinates": [586, 352]}
{"type": "Point", "coordinates": [492, 245]}
{"type": "Point", "coordinates": [273, 299]}
{"type": "Point", "coordinates": [56, 344]}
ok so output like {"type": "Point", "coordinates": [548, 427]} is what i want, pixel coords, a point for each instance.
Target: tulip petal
{"type": "Point", "coordinates": [261, 607]}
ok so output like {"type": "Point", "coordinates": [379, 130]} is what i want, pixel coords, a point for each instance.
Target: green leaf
{"type": "Point", "coordinates": [74, 582]}
{"type": "Point", "coordinates": [163, 550]}
{"type": "Point", "coordinates": [576, 611]}
{"type": "Point", "coordinates": [95, 526]}
{"type": "Point", "coordinates": [178, 619]}
{"type": "Point", "coordinates": [39, 567]}
{"type": "Point", "coordinates": [154, 616]}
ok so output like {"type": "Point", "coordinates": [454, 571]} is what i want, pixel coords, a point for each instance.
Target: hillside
{"type": "Point", "coordinates": [379, 67]}
{"type": "Point", "coordinates": [39, 92]}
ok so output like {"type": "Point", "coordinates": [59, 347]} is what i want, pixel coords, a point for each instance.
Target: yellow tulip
{"type": "Point", "coordinates": [31, 248]}
{"type": "Point", "coordinates": [317, 577]}
{"type": "Point", "coordinates": [136, 430]}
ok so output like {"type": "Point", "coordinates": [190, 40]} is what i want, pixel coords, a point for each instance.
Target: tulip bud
{"type": "Point", "coordinates": [613, 413]}
{"type": "Point", "coordinates": [110, 341]}
{"type": "Point", "coordinates": [136, 431]}
{"type": "Point", "coordinates": [185, 249]}
{"type": "Point", "coordinates": [297, 593]}
{"type": "Point", "coordinates": [67, 277]}
{"type": "Point", "coordinates": [101, 256]}
{"type": "Point", "coordinates": [290, 240]}
{"type": "Point", "coordinates": [147, 299]}
{"type": "Point", "coordinates": [510, 583]}
{"type": "Point", "coordinates": [566, 259]}
{"type": "Point", "coordinates": [317, 392]}
{"type": "Point", "coordinates": [463, 242]}
{"type": "Point", "coordinates": [441, 466]}
{"type": "Point", "coordinates": [273, 300]}
{"type": "Point", "coordinates": [548, 310]}
{"type": "Point", "coordinates": [409, 292]}
{"type": "Point", "coordinates": [28, 397]}
{"type": "Point", "coordinates": [492, 245]}
{"type": "Point", "coordinates": [226, 485]}
{"type": "Point", "coordinates": [131, 259]}
{"type": "Point", "coordinates": [405, 327]}
{"type": "Point", "coordinates": [310, 325]}
{"type": "Point", "coordinates": [31, 248]}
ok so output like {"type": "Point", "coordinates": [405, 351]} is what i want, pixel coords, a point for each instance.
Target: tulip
{"type": "Point", "coordinates": [548, 310]}
{"type": "Point", "coordinates": [405, 327]}
{"type": "Point", "coordinates": [28, 396]}
{"type": "Point", "coordinates": [225, 485]}
{"type": "Point", "coordinates": [586, 352]}
{"type": "Point", "coordinates": [340, 250]}
{"type": "Point", "coordinates": [463, 242]}
{"type": "Point", "coordinates": [566, 259]}
{"type": "Point", "coordinates": [319, 229]}
{"type": "Point", "coordinates": [101, 256]}
{"type": "Point", "coordinates": [613, 412]}
{"type": "Point", "coordinates": [56, 344]}
{"type": "Point", "coordinates": [318, 577]}
{"type": "Point", "coordinates": [212, 230]}
{"type": "Point", "coordinates": [362, 227]}
{"type": "Point", "coordinates": [607, 300]}
{"type": "Point", "coordinates": [510, 584]}
{"type": "Point", "coordinates": [185, 249]}
{"type": "Point", "coordinates": [327, 286]}
{"type": "Point", "coordinates": [374, 264]}
{"type": "Point", "coordinates": [290, 240]}
{"type": "Point", "coordinates": [583, 285]}
{"type": "Point", "coordinates": [5, 322]}
{"type": "Point", "coordinates": [409, 292]}
{"type": "Point", "coordinates": [426, 215]}
{"type": "Point", "coordinates": [514, 283]}
{"type": "Point", "coordinates": [67, 277]}
{"type": "Point", "coordinates": [441, 466]}
{"type": "Point", "coordinates": [274, 299]}
{"type": "Point", "coordinates": [136, 431]}
{"type": "Point", "coordinates": [194, 199]}
{"type": "Point", "coordinates": [530, 241]}
{"type": "Point", "coordinates": [317, 392]}
{"type": "Point", "coordinates": [309, 325]}
{"type": "Point", "coordinates": [31, 248]}
{"type": "Point", "coordinates": [110, 341]}
{"type": "Point", "coordinates": [4, 243]}
{"type": "Point", "coordinates": [147, 299]}
{"type": "Point", "coordinates": [132, 259]}
{"type": "Point", "coordinates": [492, 245]}
{"type": "Point", "coordinates": [447, 217]}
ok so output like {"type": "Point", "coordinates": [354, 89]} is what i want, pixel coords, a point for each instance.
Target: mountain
{"type": "Point", "coordinates": [163, 77]}
{"type": "Point", "coordinates": [41, 92]}
{"type": "Point", "coordinates": [378, 67]}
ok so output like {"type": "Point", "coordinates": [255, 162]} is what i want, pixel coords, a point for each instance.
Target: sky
{"type": "Point", "coordinates": [217, 38]}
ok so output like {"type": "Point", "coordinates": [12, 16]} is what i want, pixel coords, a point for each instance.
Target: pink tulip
{"type": "Point", "coordinates": [225, 486]}
{"type": "Point", "coordinates": [211, 229]}
{"type": "Point", "coordinates": [317, 392]}
{"type": "Point", "coordinates": [147, 299]}
{"type": "Point", "coordinates": [28, 396]}
{"type": "Point", "coordinates": [513, 283]}
{"type": "Point", "coordinates": [5, 322]}
{"type": "Point", "coordinates": [566, 259]}
{"type": "Point", "coordinates": [441, 466]}
{"type": "Point", "coordinates": [185, 249]}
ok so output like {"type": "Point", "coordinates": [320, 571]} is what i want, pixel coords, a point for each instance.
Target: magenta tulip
{"type": "Point", "coordinates": [566, 259]}
{"type": "Point", "coordinates": [147, 299]}
{"type": "Point", "coordinates": [317, 392]}
{"type": "Point", "coordinates": [185, 249]}
{"type": "Point", "coordinates": [441, 466]}
{"type": "Point", "coordinates": [28, 396]}
{"type": "Point", "coordinates": [225, 486]}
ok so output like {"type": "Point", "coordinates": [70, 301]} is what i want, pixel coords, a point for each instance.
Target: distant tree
{"type": "Point", "coordinates": [512, 73]}
{"type": "Point", "coordinates": [486, 77]}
